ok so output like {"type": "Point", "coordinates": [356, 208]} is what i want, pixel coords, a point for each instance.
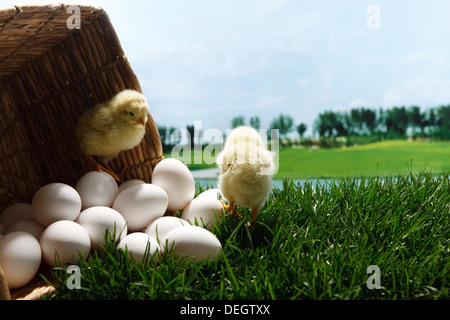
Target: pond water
{"type": "Point", "coordinates": [276, 183]}
{"type": "Point", "coordinates": [209, 178]}
{"type": "Point", "coordinates": [324, 182]}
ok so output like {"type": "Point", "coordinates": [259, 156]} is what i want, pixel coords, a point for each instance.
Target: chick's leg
{"type": "Point", "coordinates": [231, 208]}
{"type": "Point", "coordinates": [254, 213]}
{"type": "Point", "coordinates": [120, 175]}
{"type": "Point", "coordinates": [224, 205]}
{"type": "Point", "coordinates": [99, 167]}
{"type": "Point", "coordinates": [233, 211]}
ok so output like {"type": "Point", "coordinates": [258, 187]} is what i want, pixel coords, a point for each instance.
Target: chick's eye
{"type": "Point", "coordinates": [131, 114]}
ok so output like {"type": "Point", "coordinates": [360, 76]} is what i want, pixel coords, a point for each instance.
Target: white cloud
{"type": "Point", "coordinates": [268, 6]}
{"type": "Point", "coordinates": [392, 97]}
{"type": "Point", "coordinates": [411, 57]}
{"type": "Point", "coordinates": [358, 103]}
{"type": "Point", "coordinates": [231, 68]}
{"type": "Point", "coordinates": [269, 102]}
{"type": "Point", "coordinates": [422, 91]}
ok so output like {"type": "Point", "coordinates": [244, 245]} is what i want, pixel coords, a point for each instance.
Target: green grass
{"type": "Point", "coordinates": [387, 158]}
{"type": "Point", "coordinates": [198, 159]}
{"type": "Point", "coordinates": [307, 243]}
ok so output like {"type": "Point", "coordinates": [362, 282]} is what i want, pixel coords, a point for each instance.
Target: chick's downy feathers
{"type": "Point", "coordinates": [246, 168]}
{"type": "Point", "coordinates": [112, 126]}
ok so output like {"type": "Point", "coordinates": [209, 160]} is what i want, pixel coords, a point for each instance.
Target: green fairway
{"type": "Point", "coordinates": [395, 157]}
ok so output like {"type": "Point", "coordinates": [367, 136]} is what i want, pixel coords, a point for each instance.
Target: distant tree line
{"type": "Point", "coordinates": [358, 125]}
{"type": "Point", "coordinates": [167, 140]}
{"type": "Point", "coordinates": [170, 136]}
{"type": "Point", "coordinates": [283, 123]}
{"type": "Point", "coordinates": [394, 123]}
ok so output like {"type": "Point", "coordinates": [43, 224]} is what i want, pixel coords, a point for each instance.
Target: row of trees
{"type": "Point", "coordinates": [394, 123]}
{"type": "Point", "coordinates": [357, 125]}
{"type": "Point", "coordinates": [397, 122]}
{"type": "Point", "coordinates": [284, 123]}
{"type": "Point", "coordinates": [171, 136]}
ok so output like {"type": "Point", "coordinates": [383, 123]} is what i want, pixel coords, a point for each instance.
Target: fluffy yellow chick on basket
{"type": "Point", "coordinates": [246, 168]}
{"type": "Point", "coordinates": [112, 126]}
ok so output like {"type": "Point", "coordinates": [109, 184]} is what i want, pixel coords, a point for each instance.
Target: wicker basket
{"type": "Point", "coordinates": [49, 75]}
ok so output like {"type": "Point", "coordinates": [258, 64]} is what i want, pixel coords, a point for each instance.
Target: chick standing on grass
{"type": "Point", "coordinates": [246, 168]}
{"type": "Point", "coordinates": [112, 126]}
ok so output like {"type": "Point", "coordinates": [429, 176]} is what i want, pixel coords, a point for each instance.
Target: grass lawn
{"type": "Point", "coordinates": [393, 158]}
{"type": "Point", "coordinates": [306, 244]}
{"type": "Point", "coordinates": [198, 159]}
{"type": "Point", "coordinates": [387, 158]}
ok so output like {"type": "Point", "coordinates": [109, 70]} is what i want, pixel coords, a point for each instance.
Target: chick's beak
{"type": "Point", "coordinates": [141, 122]}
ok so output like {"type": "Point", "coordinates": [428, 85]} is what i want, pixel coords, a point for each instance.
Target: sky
{"type": "Point", "coordinates": [210, 61]}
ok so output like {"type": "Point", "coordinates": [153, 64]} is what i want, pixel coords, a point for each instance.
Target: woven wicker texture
{"type": "Point", "coordinates": [49, 75]}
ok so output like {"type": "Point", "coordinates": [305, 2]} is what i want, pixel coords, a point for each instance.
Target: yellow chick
{"type": "Point", "coordinates": [112, 126]}
{"type": "Point", "coordinates": [246, 169]}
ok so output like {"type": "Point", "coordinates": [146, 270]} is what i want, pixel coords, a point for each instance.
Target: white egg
{"type": "Point", "coordinates": [194, 242]}
{"type": "Point", "coordinates": [54, 202]}
{"type": "Point", "coordinates": [140, 245]}
{"type": "Point", "coordinates": [14, 213]}
{"type": "Point", "coordinates": [20, 258]}
{"type": "Point", "coordinates": [130, 183]}
{"type": "Point", "coordinates": [203, 212]}
{"type": "Point", "coordinates": [212, 193]}
{"type": "Point", "coordinates": [174, 176]}
{"type": "Point", "coordinates": [29, 226]}
{"type": "Point", "coordinates": [97, 188]}
{"type": "Point", "coordinates": [64, 241]}
{"type": "Point", "coordinates": [159, 228]}
{"type": "Point", "coordinates": [140, 204]}
{"type": "Point", "coordinates": [97, 220]}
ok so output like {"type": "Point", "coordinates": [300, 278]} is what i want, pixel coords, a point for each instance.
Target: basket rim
{"type": "Point", "coordinates": [35, 19]}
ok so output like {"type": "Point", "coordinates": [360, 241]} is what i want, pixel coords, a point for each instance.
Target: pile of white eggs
{"type": "Point", "coordinates": [63, 222]}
